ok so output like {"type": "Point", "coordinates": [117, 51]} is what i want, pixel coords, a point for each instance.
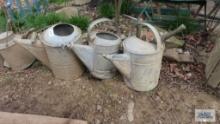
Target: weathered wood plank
{"type": "Point", "coordinates": [214, 79]}
{"type": "Point", "coordinates": [14, 118]}
{"type": "Point", "coordinates": [213, 59]}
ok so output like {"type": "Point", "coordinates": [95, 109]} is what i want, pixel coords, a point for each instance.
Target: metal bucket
{"type": "Point", "coordinates": [63, 62]}
{"type": "Point", "coordinates": [17, 57]}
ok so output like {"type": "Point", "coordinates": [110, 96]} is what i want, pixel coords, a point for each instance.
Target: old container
{"type": "Point", "coordinates": [63, 62]}
{"type": "Point", "coordinates": [92, 56]}
{"type": "Point", "coordinates": [17, 57]}
{"type": "Point", "coordinates": [36, 48]}
{"type": "Point", "coordinates": [140, 64]}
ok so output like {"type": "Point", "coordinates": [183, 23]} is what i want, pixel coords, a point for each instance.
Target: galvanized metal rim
{"type": "Point", "coordinates": [111, 42]}
{"type": "Point", "coordinates": [76, 34]}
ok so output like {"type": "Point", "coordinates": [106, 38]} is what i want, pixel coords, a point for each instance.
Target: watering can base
{"type": "Point", "coordinates": [138, 88]}
{"type": "Point", "coordinates": [103, 75]}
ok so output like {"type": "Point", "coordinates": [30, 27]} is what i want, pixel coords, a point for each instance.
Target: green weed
{"type": "Point", "coordinates": [106, 10]}
{"type": "Point", "coordinates": [80, 21]}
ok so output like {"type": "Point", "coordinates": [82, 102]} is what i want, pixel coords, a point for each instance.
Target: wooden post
{"type": "Point", "coordinates": [117, 14]}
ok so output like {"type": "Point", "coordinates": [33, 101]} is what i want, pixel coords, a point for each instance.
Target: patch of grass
{"type": "Point", "coordinates": [127, 7]}
{"type": "Point", "coordinates": [42, 20]}
{"type": "Point", "coordinates": [3, 21]}
{"type": "Point", "coordinates": [58, 1]}
{"type": "Point", "coordinates": [81, 21]}
{"type": "Point", "coordinates": [106, 9]}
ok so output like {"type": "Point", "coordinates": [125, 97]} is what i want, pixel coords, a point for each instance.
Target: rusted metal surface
{"type": "Point", "coordinates": [212, 69]}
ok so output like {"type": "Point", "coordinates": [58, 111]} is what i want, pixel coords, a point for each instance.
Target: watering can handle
{"type": "Point", "coordinates": [156, 34]}
{"type": "Point", "coordinates": [94, 23]}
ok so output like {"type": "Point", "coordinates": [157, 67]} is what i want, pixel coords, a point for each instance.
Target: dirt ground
{"type": "Point", "coordinates": [35, 91]}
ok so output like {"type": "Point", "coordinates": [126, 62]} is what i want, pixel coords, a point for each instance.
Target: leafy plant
{"type": "Point", "coordinates": [80, 21]}
{"type": "Point", "coordinates": [106, 9]}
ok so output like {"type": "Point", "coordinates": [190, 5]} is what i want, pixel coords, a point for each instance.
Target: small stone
{"type": "Point", "coordinates": [123, 117]}
{"type": "Point", "coordinates": [179, 50]}
{"type": "Point", "coordinates": [50, 82]}
{"type": "Point", "coordinates": [130, 114]}
{"type": "Point", "coordinates": [97, 121]}
{"type": "Point", "coordinates": [83, 87]}
{"type": "Point", "coordinates": [97, 96]}
{"type": "Point", "coordinates": [99, 108]}
{"type": "Point", "coordinates": [174, 55]}
{"type": "Point", "coordinates": [189, 75]}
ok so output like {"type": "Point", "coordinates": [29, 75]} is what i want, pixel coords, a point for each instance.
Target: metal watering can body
{"type": "Point", "coordinates": [140, 64]}
{"type": "Point", "coordinates": [92, 56]}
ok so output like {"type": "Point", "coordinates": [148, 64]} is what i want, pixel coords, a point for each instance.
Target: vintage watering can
{"type": "Point", "coordinates": [91, 33]}
{"type": "Point", "coordinates": [140, 63]}
{"type": "Point", "coordinates": [92, 55]}
{"type": "Point", "coordinates": [63, 62]}
{"type": "Point", "coordinates": [16, 56]}
{"type": "Point", "coordinates": [51, 50]}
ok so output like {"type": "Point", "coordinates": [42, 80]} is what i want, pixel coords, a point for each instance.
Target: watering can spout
{"type": "Point", "coordinates": [36, 48]}
{"type": "Point", "coordinates": [121, 62]}
{"type": "Point", "coordinates": [85, 54]}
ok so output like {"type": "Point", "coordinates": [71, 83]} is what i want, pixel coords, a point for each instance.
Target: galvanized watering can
{"type": "Point", "coordinates": [140, 63]}
{"type": "Point", "coordinates": [92, 56]}
{"type": "Point", "coordinates": [16, 56]}
{"type": "Point", "coordinates": [52, 50]}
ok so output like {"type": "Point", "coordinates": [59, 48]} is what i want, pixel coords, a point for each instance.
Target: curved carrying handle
{"type": "Point", "coordinates": [156, 34]}
{"type": "Point", "coordinates": [94, 23]}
